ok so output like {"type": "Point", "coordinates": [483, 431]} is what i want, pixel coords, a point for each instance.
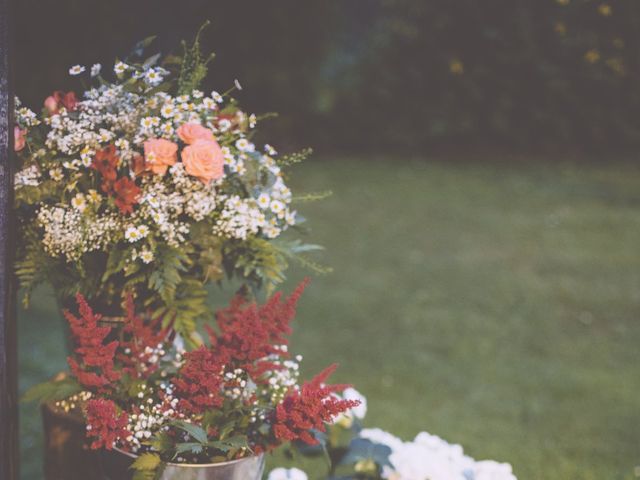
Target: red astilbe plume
{"type": "Point", "coordinates": [94, 362]}
{"type": "Point", "coordinates": [105, 424]}
{"type": "Point", "coordinates": [141, 338]}
{"type": "Point", "coordinates": [309, 408]}
{"type": "Point", "coordinates": [199, 381]}
{"type": "Point", "coordinates": [249, 333]}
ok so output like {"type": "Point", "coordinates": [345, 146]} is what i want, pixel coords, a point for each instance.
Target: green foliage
{"type": "Point", "coordinates": [198, 433]}
{"type": "Point", "coordinates": [312, 197]}
{"type": "Point", "coordinates": [30, 268]}
{"type": "Point", "coordinates": [293, 158]}
{"type": "Point", "coordinates": [52, 391]}
{"type": "Point", "coordinates": [224, 448]}
{"type": "Point", "coordinates": [147, 466]}
{"type": "Point", "coordinates": [194, 65]}
{"type": "Point", "coordinates": [167, 277]}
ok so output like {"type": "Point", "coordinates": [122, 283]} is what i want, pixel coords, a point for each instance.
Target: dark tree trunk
{"type": "Point", "coordinates": [8, 341]}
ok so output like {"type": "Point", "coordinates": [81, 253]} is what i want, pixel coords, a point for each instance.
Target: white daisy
{"type": "Point", "coordinates": [95, 69]}
{"type": "Point", "coordinates": [56, 174]}
{"type": "Point", "coordinates": [264, 200]}
{"type": "Point", "coordinates": [270, 150]}
{"type": "Point", "coordinates": [120, 67]}
{"type": "Point", "coordinates": [152, 77]}
{"type": "Point", "coordinates": [244, 145]}
{"type": "Point", "coordinates": [217, 97]}
{"type": "Point", "coordinates": [132, 234]}
{"type": "Point", "coordinates": [168, 110]}
{"type": "Point", "coordinates": [146, 256]}
{"type": "Point", "coordinates": [76, 70]}
{"type": "Point", "coordinates": [277, 206]}
{"type": "Point", "coordinates": [209, 103]}
{"type": "Point", "coordinates": [143, 230]}
{"type": "Point", "coordinates": [78, 202]}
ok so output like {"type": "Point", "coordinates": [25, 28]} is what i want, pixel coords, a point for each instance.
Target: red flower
{"type": "Point", "coordinates": [141, 336]}
{"type": "Point", "coordinates": [138, 165]}
{"type": "Point", "coordinates": [127, 193]}
{"type": "Point", "coordinates": [59, 99]}
{"type": "Point", "coordinates": [199, 380]}
{"type": "Point", "coordinates": [104, 424]}
{"type": "Point", "coordinates": [69, 101]}
{"type": "Point", "coordinates": [309, 408]}
{"type": "Point", "coordinates": [106, 162]}
{"type": "Point", "coordinates": [94, 366]}
{"type": "Point", "coordinates": [249, 333]}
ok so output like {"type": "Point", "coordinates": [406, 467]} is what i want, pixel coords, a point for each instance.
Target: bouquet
{"type": "Point", "coordinates": [147, 184]}
{"type": "Point", "coordinates": [236, 396]}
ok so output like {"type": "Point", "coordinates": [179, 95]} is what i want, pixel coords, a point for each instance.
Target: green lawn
{"type": "Point", "coordinates": [495, 305]}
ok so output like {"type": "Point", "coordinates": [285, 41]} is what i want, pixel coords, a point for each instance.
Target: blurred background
{"type": "Point", "coordinates": [484, 226]}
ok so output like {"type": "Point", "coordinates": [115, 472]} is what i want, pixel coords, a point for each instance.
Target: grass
{"type": "Point", "coordinates": [495, 305]}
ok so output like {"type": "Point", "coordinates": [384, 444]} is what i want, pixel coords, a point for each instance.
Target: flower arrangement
{"type": "Point", "coordinates": [236, 396]}
{"type": "Point", "coordinates": [144, 183]}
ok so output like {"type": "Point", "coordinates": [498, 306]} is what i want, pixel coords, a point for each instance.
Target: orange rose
{"type": "Point", "coordinates": [190, 132]}
{"type": "Point", "coordinates": [204, 159]}
{"type": "Point", "coordinates": [19, 138]}
{"type": "Point", "coordinates": [159, 154]}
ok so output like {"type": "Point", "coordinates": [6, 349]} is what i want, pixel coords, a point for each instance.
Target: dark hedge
{"type": "Point", "coordinates": [378, 75]}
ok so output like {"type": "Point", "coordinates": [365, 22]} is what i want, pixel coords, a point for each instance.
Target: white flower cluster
{"type": "Point", "coordinates": [25, 117]}
{"type": "Point", "coordinates": [283, 379]}
{"type": "Point", "coordinates": [107, 113]}
{"type": "Point", "coordinates": [239, 218]}
{"type": "Point", "coordinates": [68, 233]}
{"type": "Point", "coordinates": [153, 416]}
{"type": "Point", "coordinates": [27, 177]}
{"type": "Point", "coordinates": [429, 457]}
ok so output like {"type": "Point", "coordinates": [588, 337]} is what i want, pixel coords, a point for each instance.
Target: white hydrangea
{"type": "Point", "coordinates": [287, 474]}
{"type": "Point", "coordinates": [352, 394]}
{"type": "Point", "coordinates": [429, 457]}
{"type": "Point", "coordinates": [377, 435]}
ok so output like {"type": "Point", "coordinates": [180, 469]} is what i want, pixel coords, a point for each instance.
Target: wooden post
{"type": "Point", "coordinates": [8, 340]}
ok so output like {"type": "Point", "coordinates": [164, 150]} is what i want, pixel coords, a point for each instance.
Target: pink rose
{"type": "Point", "coordinates": [190, 132]}
{"type": "Point", "coordinates": [51, 104]}
{"type": "Point", "coordinates": [159, 154]}
{"type": "Point", "coordinates": [19, 138]}
{"type": "Point", "coordinates": [204, 159]}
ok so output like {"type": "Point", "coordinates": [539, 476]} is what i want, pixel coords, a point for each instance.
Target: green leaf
{"type": "Point", "coordinates": [161, 442]}
{"type": "Point", "coordinates": [191, 447]}
{"type": "Point", "coordinates": [365, 449]}
{"type": "Point", "coordinates": [195, 431]}
{"type": "Point", "coordinates": [194, 65]}
{"type": "Point", "coordinates": [52, 391]}
{"type": "Point", "coordinates": [235, 442]}
{"type": "Point", "coordinates": [147, 461]}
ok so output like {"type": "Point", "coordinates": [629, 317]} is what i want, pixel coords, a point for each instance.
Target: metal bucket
{"type": "Point", "coordinates": [116, 465]}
